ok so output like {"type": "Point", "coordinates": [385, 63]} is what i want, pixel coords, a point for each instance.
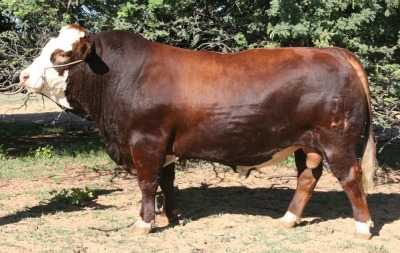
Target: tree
{"type": "Point", "coordinates": [367, 28]}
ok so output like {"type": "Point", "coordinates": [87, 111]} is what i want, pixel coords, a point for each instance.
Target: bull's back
{"type": "Point", "coordinates": [248, 77]}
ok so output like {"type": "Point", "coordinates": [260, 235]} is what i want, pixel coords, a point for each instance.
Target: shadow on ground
{"type": "Point", "coordinates": [44, 118]}
{"type": "Point", "coordinates": [197, 203]}
{"type": "Point", "coordinates": [205, 201]}
{"type": "Point", "coordinates": [18, 139]}
{"type": "Point", "coordinates": [54, 207]}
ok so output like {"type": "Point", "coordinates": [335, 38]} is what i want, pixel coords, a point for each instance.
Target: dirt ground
{"type": "Point", "coordinates": [221, 212]}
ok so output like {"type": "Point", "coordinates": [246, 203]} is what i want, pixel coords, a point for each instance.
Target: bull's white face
{"type": "Point", "coordinates": [40, 77]}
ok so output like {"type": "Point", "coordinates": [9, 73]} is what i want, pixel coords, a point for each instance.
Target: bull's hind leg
{"type": "Point", "coordinates": [346, 168]}
{"type": "Point", "coordinates": [309, 168]}
{"type": "Point", "coordinates": [170, 209]}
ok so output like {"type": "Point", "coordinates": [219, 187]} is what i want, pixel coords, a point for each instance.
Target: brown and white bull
{"type": "Point", "coordinates": [155, 103]}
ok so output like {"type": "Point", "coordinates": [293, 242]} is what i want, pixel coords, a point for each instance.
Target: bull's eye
{"type": "Point", "coordinates": [59, 56]}
{"type": "Point", "coordinates": [66, 54]}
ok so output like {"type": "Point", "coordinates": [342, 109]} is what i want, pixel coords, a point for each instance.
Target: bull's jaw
{"type": "Point", "coordinates": [55, 87]}
{"type": "Point", "coordinates": [62, 101]}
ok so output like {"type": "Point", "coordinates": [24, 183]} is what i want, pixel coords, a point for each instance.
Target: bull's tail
{"type": "Point", "coordinates": [368, 161]}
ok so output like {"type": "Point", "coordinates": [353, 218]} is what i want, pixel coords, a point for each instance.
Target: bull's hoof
{"type": "Point", "coordinates": [174, 218]}
{"type": "Point", "coordinates": [141, 228]}
{"type": "Point", "coordinates": [289, 220]}
{"type": "Point", "coordinates": [362, 230]}
{"type": "Point", "coordinates": [162, 221]}
{"type": "Point", "coordinates": [286, 224]}
{"type": "Point", "coordinates": [364, 236]}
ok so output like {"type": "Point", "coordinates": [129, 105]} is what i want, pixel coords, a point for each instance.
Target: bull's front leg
{"type": "Point", "coordinates": [148, 162]}
{"type": "Point", "coordinates": [148, 182]}
{"type": "Point", "coordinates": [170, 211]}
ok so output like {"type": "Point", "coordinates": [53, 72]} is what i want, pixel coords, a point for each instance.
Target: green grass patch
{"type": "Point", "coordinates": [3, 152]}
{"type": "Point", "coordinates": [26, 168]}
{"type": "Point", "coordinates": [30, 150]}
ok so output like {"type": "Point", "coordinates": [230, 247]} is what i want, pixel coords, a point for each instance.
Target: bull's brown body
{"type": "Point", "coordinates": [241, 109]}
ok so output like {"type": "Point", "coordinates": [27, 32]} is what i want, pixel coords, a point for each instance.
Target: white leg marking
{"type": "Point", "coordinates": [170, 159]}
{"type": "Point", "coordinates": [290, 218]}
{"type": "Point", "coordinates": [141, 227]}
{"type": "Point", "coordinates": [243, 171]}
{"type": "Point", "coordinates": [363, 228]}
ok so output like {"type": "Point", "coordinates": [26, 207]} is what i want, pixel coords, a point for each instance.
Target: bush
{"type": "Point", "coordinates": [367, 28]}
{"type": "Point", "coordinates": [74, 196]}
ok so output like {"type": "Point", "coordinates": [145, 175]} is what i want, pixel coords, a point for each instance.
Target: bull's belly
{"type": "Point", "coordinates": [276, 158]}
{"type": "Point", "coordinates": [239, 143]}
{"type": "Point", "coordinates": [244, 169]}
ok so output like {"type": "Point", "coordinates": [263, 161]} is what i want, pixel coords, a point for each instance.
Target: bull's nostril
{"type": "Point", "coordinates": [23, 77]}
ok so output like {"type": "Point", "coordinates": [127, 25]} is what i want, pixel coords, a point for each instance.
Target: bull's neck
{"type": "Point", "coordinates": [85, 92]}
{"type": "Point", "coordinates": [98, 85]}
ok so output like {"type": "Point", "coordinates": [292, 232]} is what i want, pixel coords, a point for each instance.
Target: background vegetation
{"type": "Point", "coordinates": [46, 170]}
{"type": "Point", "coordinates": [369, 28]}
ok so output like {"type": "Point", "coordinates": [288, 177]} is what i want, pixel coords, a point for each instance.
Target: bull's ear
{"type": "Point", "coordinates": [84, 48]}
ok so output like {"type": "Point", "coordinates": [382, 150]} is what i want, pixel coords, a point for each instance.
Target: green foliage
{"type": "Point", "coordinates": [367, 28]}
{"type": "Point", "coordinates": [44, 152]}
{"type": "Point", "coordinates": [288, 162]}
{"type": "Point", "coordinates": [3, 152]}
{"type": "Point", "coordinates": [74, 196]}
